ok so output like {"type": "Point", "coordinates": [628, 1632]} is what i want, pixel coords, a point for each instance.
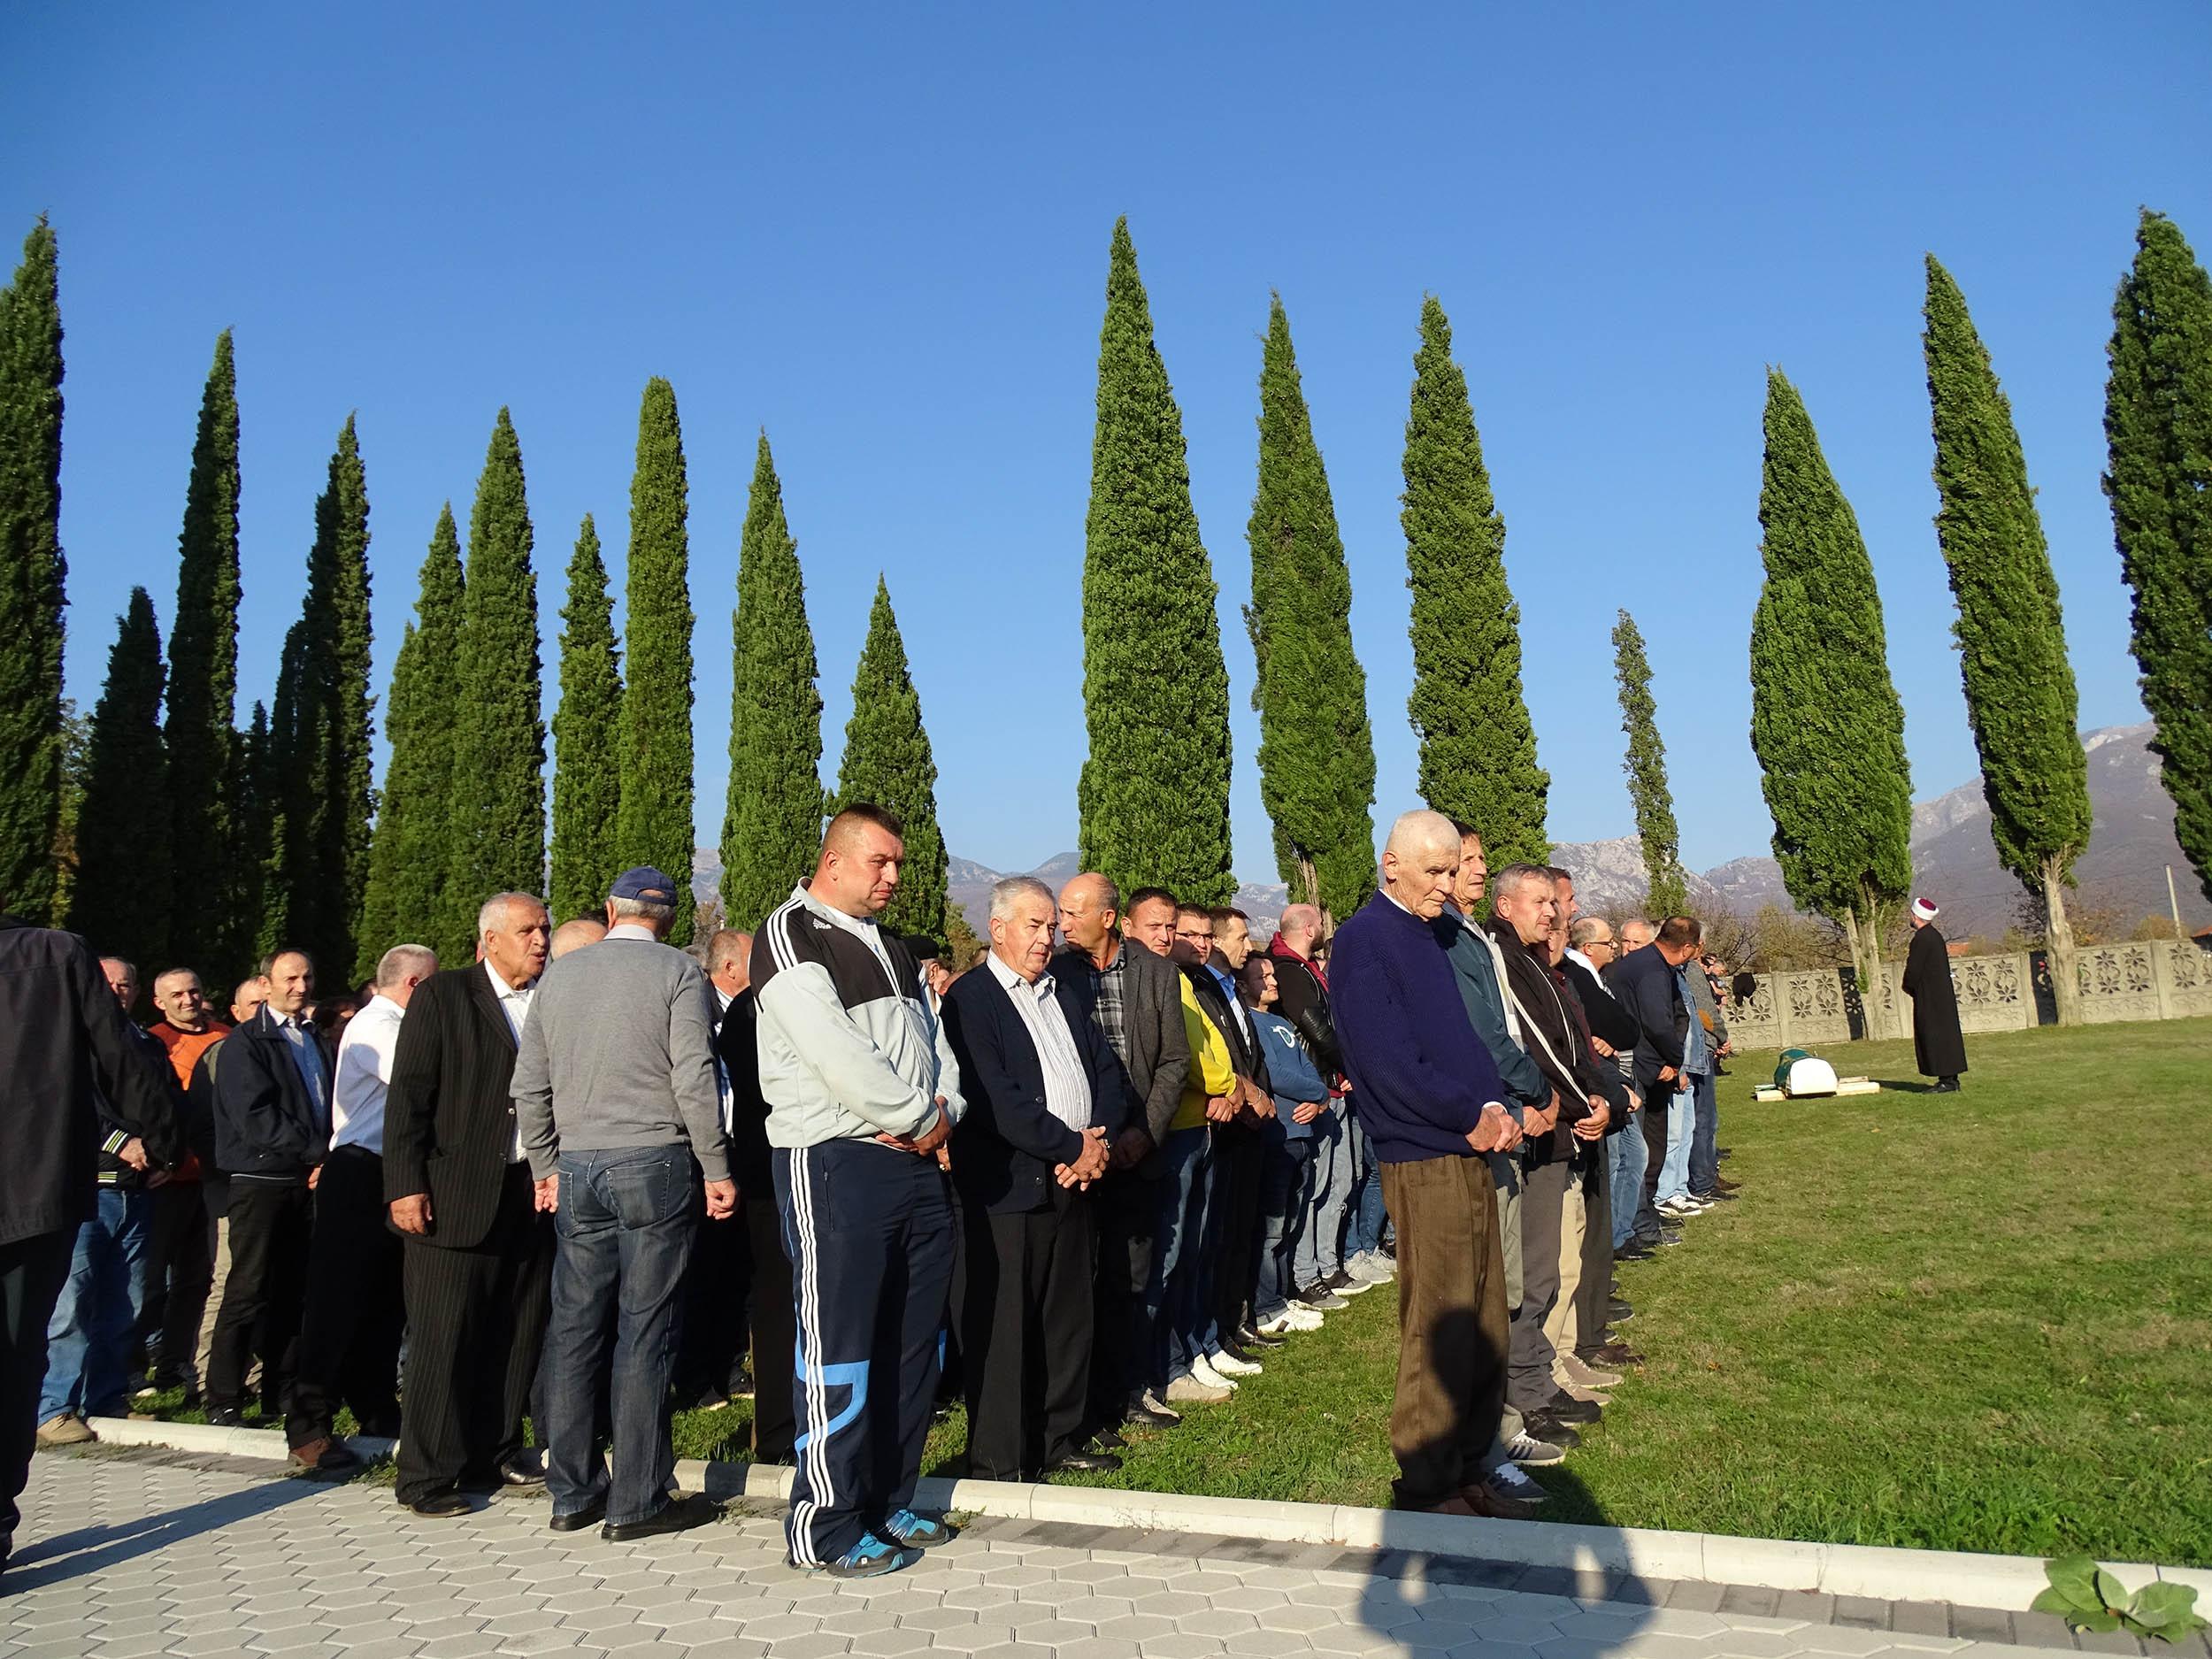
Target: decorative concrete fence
{"type": "Point", "coordinates": [2168, 979]}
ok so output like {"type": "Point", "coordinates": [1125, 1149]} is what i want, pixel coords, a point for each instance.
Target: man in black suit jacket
{"type": "Point", "coordinates": [1045, 1099]}
{"type": "Point", "coordinates": [1135, 1000]}
{"type": "Point", "coordinates": [1233, 1241]}
{"type": "Point", "coordinates": [769, 1310]}
{"type": "Point", "coordinates": [272, 1128]}
{"type": "Point", "coordinates": [1644, 984]}
{"type": "Point", "coordinates": [478, 1254]}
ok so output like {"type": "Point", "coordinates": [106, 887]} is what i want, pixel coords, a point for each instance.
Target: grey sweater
{"type": "Point", "coordinates": [619, 1051]}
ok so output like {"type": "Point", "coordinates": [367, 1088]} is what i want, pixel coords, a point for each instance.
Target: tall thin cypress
{"type": "Point", "coordinates": [323, 735]}
{"type": "Point", "coordinates": [209, 922]}
{"type": "Point", "coordinates": [1154, 797]}
{"type": "Point", "coordinates": [887, 761]}
{"type": "Point", "coordinates": [1825, 722]}
{"type": "Point", "coordinates": [656, 823]}
{"type": "Point", "coordinates": [2020, 696]}
{"type": "Point", "coordinates": [2158, 424]}
{"type": "Point", "coordinates": [252, 793]}
{"type": "Point", "coordinates": [1317, 751]}
{"type": "Point", "coordinates": [772, 824]}
{"type": "Point", "coordinates": [276, 779]}
{"type": "Point", "coordinates": [1477, 742]}
{"type": "Point", "coordinates": [120, 902]}
{"type": "Point", "coordinates": [32, 574]}
{"type": "Point", "coordinates": [496, 804]}
{"type": "Point", "coordinates": [409, 855]}
{"type": "Point", "coordinates": [587, 736]}
{"type": "Point", "coordinates": [1646, 770]}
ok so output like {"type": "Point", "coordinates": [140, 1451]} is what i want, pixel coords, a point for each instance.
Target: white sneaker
{"type": "Point", "coordinates": [1205, 1376]}
{"type": "Point", "coordinates": [1301, 1318]}
{"type": "Point", "coordinates": [1679, 1208]}
{"type": "Point", "coordinates": [1229, 1365]}
{"type": "Point", "coordinates": [1280, 1323]}
{"type": "Point", "coordinates": [1376, 1269]}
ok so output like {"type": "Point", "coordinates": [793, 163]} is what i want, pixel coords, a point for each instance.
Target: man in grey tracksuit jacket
{"type": "Point", "coordinates": [862, 1092]}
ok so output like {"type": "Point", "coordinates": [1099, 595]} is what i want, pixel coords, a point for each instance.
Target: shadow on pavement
{"type": "Point", "coordinates": [94, 1549]}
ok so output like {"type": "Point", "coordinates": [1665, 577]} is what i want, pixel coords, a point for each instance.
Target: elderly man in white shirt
{"type": "Point", "coordinates": [349, 1347]}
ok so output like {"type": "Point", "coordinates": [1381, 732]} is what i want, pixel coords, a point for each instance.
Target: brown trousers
{"type": "Point", "coordinates": [1452, 1326]}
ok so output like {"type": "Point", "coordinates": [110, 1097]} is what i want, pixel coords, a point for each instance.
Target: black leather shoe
{"type": "Point", "coordinates": [1634, 1252]}
{"type": "Point", "coordinates": [1144, 1417]}
{"type": "Point", "coordinates": [679, 1515]}
{"type": "Point", "coordinates": [441, 1506]}
{"type": "Point", "coordinates": [523, 1475]}
{"type": "Point", "coordinates": [225, 1418]}
{"type": "Point", "coordinates": [591, 1515]}
{"type": "Point", "coordinates": [1085, 1462]}
{"type": "Point", "coordinates": [1246, 1337]}
{"type": "Point", "coordinates": [1567, 1408]}
{"type": "Point", "coordinates": [1619, 1312]}
{"type": "Point", "coordinates": [1107, 1440]}
{"type": "Point", "coordinates": [1546, 1427]}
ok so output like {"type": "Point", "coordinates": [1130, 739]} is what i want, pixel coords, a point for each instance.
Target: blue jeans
{"type": "Point", "coordinates": [1286, 1194]}
{"type": "Point", "coordinates": [1366, 1216]}
{"type": "Point", "coordinates": [1174, 1302]}
{"type": "Point", "coordinates": [625, 1226]}
{"type": "Point", "coordinates": [89, 1337]}
{"type": "Point", "coordinates": [1625, 1155]}
{"type": "Point", "coordinates": [1705, 1143]}
{"type": "Point", "coordinates": [1321, 1241]}
{"type": "Point", "coordinates": [1674, 1169]}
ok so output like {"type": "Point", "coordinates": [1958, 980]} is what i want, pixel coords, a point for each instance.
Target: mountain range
{"type": "Point", "coordinates": [2122, 873]}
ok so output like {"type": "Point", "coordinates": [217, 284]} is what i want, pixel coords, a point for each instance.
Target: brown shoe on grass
{"type": "Point", "coordinates": [65, 1430]}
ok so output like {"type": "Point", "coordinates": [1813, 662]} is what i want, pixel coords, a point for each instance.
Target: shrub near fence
{"type": "Point", "coordinates": [2169, 978]}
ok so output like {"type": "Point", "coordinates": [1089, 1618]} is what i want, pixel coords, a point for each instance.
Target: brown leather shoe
{"type": "Point", "coordinates": [1616, 1354]}
{"type": "Point", "coordinates": [325, 1456]}
{"type": "Point", "coordinates": [1488, 1501]}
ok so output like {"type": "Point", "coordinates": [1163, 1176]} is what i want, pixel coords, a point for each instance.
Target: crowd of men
{"type": "Point", "coordinates": [1086, 1185]}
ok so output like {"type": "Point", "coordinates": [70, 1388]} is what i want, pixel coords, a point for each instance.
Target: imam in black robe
{"type": "Point", "coordinates": [1937, 1042]}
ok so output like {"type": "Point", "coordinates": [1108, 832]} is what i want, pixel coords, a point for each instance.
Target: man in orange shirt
{"type": "Point", "coordinates": [180, 1267]}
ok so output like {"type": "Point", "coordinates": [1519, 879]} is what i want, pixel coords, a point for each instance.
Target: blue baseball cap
{"type": "Point", "coordinates": [646, 884]}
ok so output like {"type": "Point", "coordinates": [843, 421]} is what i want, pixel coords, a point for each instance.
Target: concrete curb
{"type": "Point", "coordinates": [2005, 1582]}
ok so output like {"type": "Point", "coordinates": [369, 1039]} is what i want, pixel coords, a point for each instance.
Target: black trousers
{"type": "Point", "coordinates": [349, 1348]}
{"type": "Point", "coordinates": [715, 1283]}
{"type": "Point", "coordinates": [775, 1429]}
{"type": "Point", "coordinates": [1024, 1306]}
{"type": "Point", "coordinates": [31, 1274]}
{"type": "Point", "coordinates": [1529, 1380]}
{"type": "Point", "coordinates": [1594, 1295]}
{"type": "Point", "coordinates": [180, 1275]}
{"type": "Point", "coordinates": [272, 1230]}
{"type": "Point", "coordinates": [1124, 1214]}
{"type": "Point", "coordinates": [1654, 1119]}
{"type": "Point", "coordinates": [1240, 1161]}
{"type": "Point", "coordinates": [477, 1319]}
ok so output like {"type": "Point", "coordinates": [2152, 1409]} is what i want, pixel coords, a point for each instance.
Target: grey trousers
{"type": "Point", "coordinates": [1529, 1381]}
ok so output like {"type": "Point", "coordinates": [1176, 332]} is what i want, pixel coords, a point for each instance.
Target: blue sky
{"type": "Point", "coordinates": [881, 232]}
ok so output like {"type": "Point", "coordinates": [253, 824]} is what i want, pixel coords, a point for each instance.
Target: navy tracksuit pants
{"type": "Point", "coordinates": [869, 1229]}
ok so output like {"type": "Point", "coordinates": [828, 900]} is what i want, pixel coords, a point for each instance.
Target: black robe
{"type": "Point", "coordinates": [1937, 1042]}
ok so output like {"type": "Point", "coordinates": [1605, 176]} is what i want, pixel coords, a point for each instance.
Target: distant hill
{"type": "Point", "coordinates": [2124, 871]}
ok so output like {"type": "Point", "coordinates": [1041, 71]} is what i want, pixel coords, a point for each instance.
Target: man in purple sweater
{"type": "Point", "coordinates": [1434, 1105]}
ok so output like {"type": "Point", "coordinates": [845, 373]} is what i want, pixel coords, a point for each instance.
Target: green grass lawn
{"type": "Point", "coordinates": [1979, 1321]}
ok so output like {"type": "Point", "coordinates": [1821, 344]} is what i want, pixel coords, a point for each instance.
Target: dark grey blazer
{"type": "Point", "coordinates": [1158, 1064]}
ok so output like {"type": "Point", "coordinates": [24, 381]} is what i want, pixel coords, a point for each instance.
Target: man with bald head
{"type": "Point", "coordinates": [1135, 999]}
{"type": "Point", "coordinates": [585, 930]}
{"type": "Point", "coordinates": [271, 1130]}
{"type": "Point", "coordinates": [1301, 991]}
{"type": "Point", "coordinates": [1435, 1105]}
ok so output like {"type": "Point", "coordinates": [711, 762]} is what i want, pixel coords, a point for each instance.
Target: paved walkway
{"type": "Point", "coordinates": [125, 1556]}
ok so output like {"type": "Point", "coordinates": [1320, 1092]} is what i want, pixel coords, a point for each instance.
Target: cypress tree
{"type": "Point", "coordinates": [1477, 743]}
{"type": "Point", "coordinates": [251, 792]}
{"type": "Point", "coordinates": [120, 898]}
{"type": "Point", "coordinates": [1153, 798]}
{"type": "Point", "coordinates": [33, 572]}
{"type": "Point", "coordinates": [656, 825]}
{"type": "Point", "coordinates": [1825, 722]}
{"type": "Point", "coordinates": [1646, 770]}
{"type": "Point", "coordinates": [1317, 752]}
{"type": "Point", "coordinates": [887, 761]}
{"type": "Point", "coordinates": [772, 825]}
{"type": "Point", "coordinates": [495, 812]}
{"type": "Point", "coordinates": [586, 777]}
{"type": "Point", "coordinates": [2020, 696]}
{"type": "Point", "coordinates": [409, 855]}
{"type": "Point", "coordinates": [2158, 426]}
{"type": "Point", "coordinates": [207, 922]}
{"type": "Point", "coordinates": [322, 732]}
{"type": "Point", "coordinates": [276, 779]}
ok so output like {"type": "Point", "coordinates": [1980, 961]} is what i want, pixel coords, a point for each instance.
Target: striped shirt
{"type": "Point", "coordinates": [1067, 1086]}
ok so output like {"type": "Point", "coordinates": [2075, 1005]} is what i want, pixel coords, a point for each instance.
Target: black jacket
{"type": "Point", "coordinates": [64, 1045]}
{"type": "Point", "coordinates": [1303, 1000]}
{"type": "Point", "coordinates": [115, 1134]}
{"type": "Point", "coordinates": [1643, 981]}
{"type": "Point", "coordinates": [1938, 1044]}
{"type": "Point", "coordinates": [1245, 1055]}
{"type": "Point", "coordinates": [1559, 1046]}
{"type": "Point", "coordinates": [267, 1125]}
{"type": "Point", "coordinates": [448, 1121]}
{"type": "Point", "coordinates": [1152, 1028]}
{"type": "Point", "coordinates": [1007, 1144]}
{"type": "Point", "coordinates": [737, 1045]}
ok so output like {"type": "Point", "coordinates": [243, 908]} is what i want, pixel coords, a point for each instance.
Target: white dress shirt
{"type": "Point", "coordinates": [515, 1003]}
{"type": "Point", "coordinates": [1067, 1085]}
{"type": "Point", "coordinates": [365, 1073]}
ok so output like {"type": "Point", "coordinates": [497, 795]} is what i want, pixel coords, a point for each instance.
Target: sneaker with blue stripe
{"type": "Point", "coordinates": [914, 1532]}
{"type": "Point", "coordinates": [870, 1558]}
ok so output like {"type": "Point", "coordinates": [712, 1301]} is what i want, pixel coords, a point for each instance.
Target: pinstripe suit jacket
{"type": "Point", "coordinates": [448, 1121]}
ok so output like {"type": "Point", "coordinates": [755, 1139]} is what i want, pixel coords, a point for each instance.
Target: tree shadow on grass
{"type": "Point", "coordinates": [91, 1550]}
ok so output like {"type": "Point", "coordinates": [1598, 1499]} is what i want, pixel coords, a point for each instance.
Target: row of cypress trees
{"type": "Point", "coordinates": [267, 830]}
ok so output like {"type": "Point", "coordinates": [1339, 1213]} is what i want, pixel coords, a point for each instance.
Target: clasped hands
{"type": "Point", "coordinates": [1090, 1162]}
{"type": "Point", "coordinates": [931, 1143]}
